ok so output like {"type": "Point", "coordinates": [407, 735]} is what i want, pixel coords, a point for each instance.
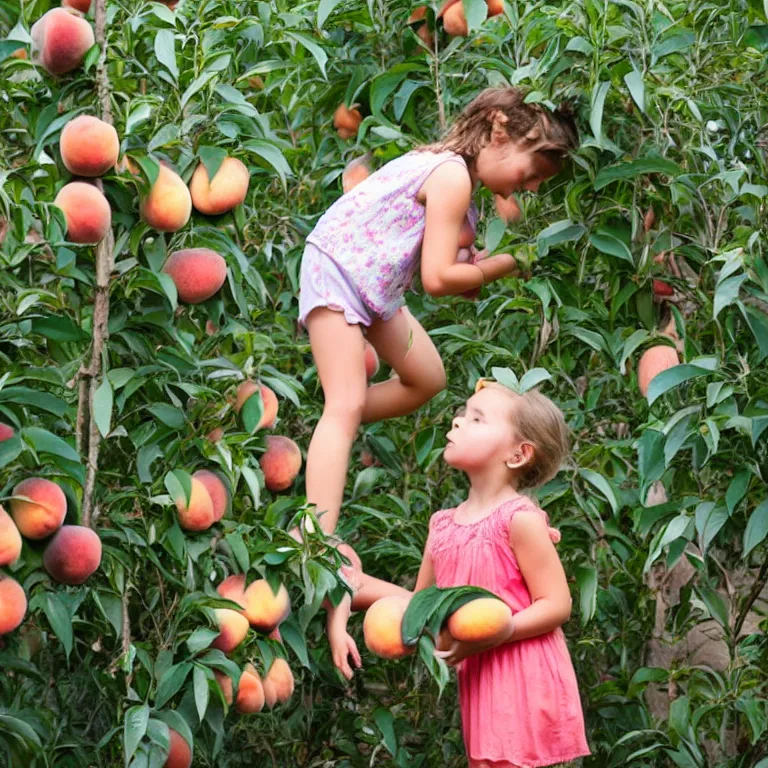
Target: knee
{"type": "Point", "coordinates": [434, 382]}
{"type": "Point", "coordinates": [346, 413]}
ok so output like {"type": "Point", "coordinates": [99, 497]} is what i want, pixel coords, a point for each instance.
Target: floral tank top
{"type": "Point", "coordinates": [374, 232]}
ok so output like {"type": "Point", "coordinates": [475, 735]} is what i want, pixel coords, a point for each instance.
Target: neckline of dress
{"type": "Point", "coordinates": [487, 517]}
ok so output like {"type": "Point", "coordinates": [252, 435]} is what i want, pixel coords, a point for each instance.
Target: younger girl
{"type": "Point", "coordinates": [520, 704]}
{"type": "Point", "coordinates": [360, 258]}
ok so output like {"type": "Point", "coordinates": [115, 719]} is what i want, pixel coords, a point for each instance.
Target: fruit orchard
{"type": "Point", "coordinates": [161, 166]}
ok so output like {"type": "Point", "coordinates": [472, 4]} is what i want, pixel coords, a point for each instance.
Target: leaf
{"type": "Point", "coordinates": [611, 245]}
{"type": "Point", "coordinates": [586, 577]}
{"type": "Point", "coordinates": [715, 603]}
{"type": "Point", "coordinates": [178, 483]}
{"type": "Point", "coordinates": [59, 619]}
{"type": "Point", "coordinates": [170, 416]}
{"type": "Point", "coordinates": [201, 639]}
{"type": "Point", "coordinates": [634, 81]}
{"type": "Point", "coordinates": [59, 328]}
{"type": "Point", "coordinates": [634, 168]}
{"type": "Point", "coordinates": [757, 528]}
{"type": "Point", "coordinates": [202, 691]}
{"type": "Point", "coordinates": [171, 683]}
{"type": "Point", "coordinates": [272, 155]}
{"type": "Point", "coordinates": [366, 481]}
{"type": "Point", "coordinates": [506, 377]}
{"type": "Point", "coordinates": [292, 635]}
{"type": "Point", "coordinates": [757, 37]}
{"type": "Point", "coordinates": [494, 233]}
{"type": "Point", "coordinates": [134, 728]}
{"type": "Point", "coordinates": [727, 292]}
{"type": "Point", "coordinates": [602, 485]}
{"type": "Point", "coordinates": [563, 231]}
{"type": "Point", "coordinates": [239, 550]}
{"type": "Point", "coordinates": [10, 450]}
{"type": "Point", "coordinates": [321, 57]}
{"type": "Point", "coordinates": [596, 112]}
{"type": "Point", "coordinates": [533, 378]}
{"type": "Point", "coordinates": [475, 12]}
{"type": "Point", "coordinates": [212, 158]}
{"type": "Point", "coordinates": [737, 489]}
{"type": "Point", "coordinates": [709, 520]}
{"type": "Point", "coordinates": [324, 10]}
{"type": "Point", "coordinates": [166, 52]}
{"type": "Point", "coordinates": [651, 464]}
{"type": "Point", "coordinates": [252, 411]}
{"type": "Point", "coordinates": [44, 441]}
{"type": "Point", "coordinates": [630, 345]}
{"type": "Point", "coordinates": [385, 723]}
{"type": "Point", "coordinates": [102, 406]}
{"type": "Point", "coordinates": [671, 378]}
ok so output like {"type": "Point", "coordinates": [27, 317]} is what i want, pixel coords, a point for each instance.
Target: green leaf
{"type": "Point", "coordinates": [10, 450]}
{"type": "Point", "coordinates": [602, 485]}
{"type": "Point", "coordinates": [201, 639]}
{"type": "Point", "coordinates": [757, 37]}
{"type": "Point", "coordinates": [596, 112]}
{"type": "Point", "coordinates": [727, 292]}
{"type": "Point", "coordinates": [170, 416]}
{"type": "Point", "coordinates": [7, 47]}
{"type": "Point", "coordinates": [634, 168]}
{"type": "Point", "coordinates": [709, 520]}
{"type": "Point", "coordinates": [179, 485]}
{"type": "Point", "coordinates": [59, 619]}
{"type": "Point", "coordinates": [321, 57]}
{"type": "Point", "coordinates": [40, 400]}
{"type": "Point", "coordinates": [58, 328]}
{"type": "Point", "coordinates": [758, 324]}
{"type": "Point", "coordinates": [506, 377]}
{"type": "Point", "coordinates": [533, 378]}
{"type": "Point", "coordinates": [166, 52]}
{"type": "Point", "coordinates": [135, 726]}
{"type": "Point", "coordinates": [564, 231]}
{"type": "Point", "coordinates": [586, 578]}
{"type": "Point", "coordinates": [607, 243]}
{"type": "Point", "coordinates": [252, 411]}
{"type": "Point", "coordinates": [475, 12]}
{"type": "Point", "coordinates": [44, 441]}
{"type": "Point", "coordinates": [494, 233]}
{"type": "Point", "coordinates": [671, 378]}
{"type": "Point", "coordinates": [212, 158]}
{"type": "Point", "coordinates": [272, 155]}
{"type": "Point", "coordinates": [171, 683]}
{"type": "Point", "coordinates": [715, 603]}
{"type": "Point", "coordinates": [385, 723]}
{"type": "Point", "coordinates": [239, 550]}
{"type": "Point", "coordinates": [202, 691]}
{"type": "Point", "coordinates": [102, 406]}
{"type": "Point", "coordinates": [630, 345]}
{"type": "Point", "coordinates": [650, 451]}
{"type": "Point", "coordinates": [737, 489]}
{"type": "Point", "coordinates": [634, 81]}
{"type": "Point", "coordinates": [324, 10]}
{"type": "Point", "coordinates": [292, 635]}
{"type": "Point", "coordinates": [757, 528]}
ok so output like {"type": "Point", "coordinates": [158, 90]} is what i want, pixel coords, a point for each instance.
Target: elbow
{"type": "Point", "coordinates": [433, 285]}
{"type": "Point", "coordinates": [566, 612]}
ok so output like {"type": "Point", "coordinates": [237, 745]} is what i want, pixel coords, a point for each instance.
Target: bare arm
{"type": "Point", "coordinates": [448, 192]}
{"type": "Point", "coordinates": [544, 576]}
{"type": "Point", "coordinates": [426, 577]}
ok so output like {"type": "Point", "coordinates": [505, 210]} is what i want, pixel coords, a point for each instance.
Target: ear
{"type": "Point", "coordinates": [522, 455]}
{"type": "Point", "coordinates": [499, 122]}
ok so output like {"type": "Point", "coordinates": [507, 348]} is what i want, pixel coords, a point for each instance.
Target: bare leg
{"type": "Point", "coordinates": [405, 346]}
{"type": "Point", "coordinates": [338, 351]}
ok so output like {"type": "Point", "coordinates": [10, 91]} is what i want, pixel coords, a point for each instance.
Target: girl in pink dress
{"type": "Point", "coordinates": [520, 705]}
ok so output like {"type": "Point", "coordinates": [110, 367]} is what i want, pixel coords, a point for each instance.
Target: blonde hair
{"type": "Point", "coordinates": [551, 134]}
{"type": "Point", "coordinates": [538, 421]}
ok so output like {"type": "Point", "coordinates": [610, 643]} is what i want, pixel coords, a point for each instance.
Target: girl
{"type": "Point", "coordinates": [519, 698]}
{"type": "Point", "coordinates": [361, 256]}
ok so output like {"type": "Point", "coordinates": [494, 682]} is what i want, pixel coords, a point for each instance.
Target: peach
{"type": "Point", "coordinates": [454, 20]}
{"type": "Point", "coordinates": [367, 459]}
{"type": "Point", "coordinates": [508, 208]}
{"type": "Point", "coordinates": [382, 627]}
{"type": "Point", "coordinates": [233, 588]}
{"type": "Point", "coordinates": [417, 14]}
{"type": "Point", "coordinates": [278, 683]}
{"type": "Point", "coordinates": [197, 273]}
{"type": "Point", "coordinates": [215, 434]}
{"type": "Point", "coordinates": [179, 751]}
{"type": "Point", "coordinates": [44, 512]}
{"type": "Point", "coordinates": [652, 363]}
{"type": "Point", "coordinates": [13, 604]}
{"type": "Point", "coordinates": [198, 515]}
{"type": "Point", "coordinates": [79, 5]}
{"type": "Point", "coordinates": [19, 53]}
{"type": "Point", "coordinates": [425, 35]}
{"type": "Point", "coordinates": [495, 7]}
{"type": "Point", "coordinates": [217, 489]}
{"type": "Point", "coordinates": [661, 289]}
{"type": "Point", "coordinates": [268, 398]}
{"type": "Point", "coordinates": [60, 40]}
{"type": "Point", "coordinates": [10, 539]}
{"type": "Point", "coordinates": [485, 618]}
{"type": "Point", "coordinates": [280, 463]}
{"type": "Point", "coordinates": [227, 190]}
{"type": "Point", "coordinates": [88, 146]}
{"type": "Point", "coordinates": [6, 432]}
{"type": "Point", "coordinates": [168, 205]}
{"type": "Point", "coordinates": [86, 210]}
{"type": "Point", "coordinates": [347, 121]}
{"type": "Point", "coordinates": [73, 555]}
{"type": "Point", "coordinates": [233, 629]}
{"type": "Point", "coordinates": [264, 609]}
{"type": "Point", "coordinates": [225, 683]}
{"type": "Point", "coordinates": [250, 692]}
{"type": "Point", "coordinates": [371, 360]}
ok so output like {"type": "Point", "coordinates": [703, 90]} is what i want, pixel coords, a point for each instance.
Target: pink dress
{"type": "Point", "coordinates": [520, 701]}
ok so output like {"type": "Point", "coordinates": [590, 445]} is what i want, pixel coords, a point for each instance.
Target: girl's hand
{"type": "Point", "coordinates": [457, 651]}
{"type": "Point", "coordinates": [343, 646]}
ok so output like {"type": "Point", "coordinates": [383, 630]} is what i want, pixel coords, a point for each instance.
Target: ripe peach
{"type": "Point", "coordinates": [652, 363]}
{"type": "Point", "coordinates": [89, 146]}
{"type": "Point", "coordinates": [268, 398]}
{"type": "Point", "coordinates": [371, 360]}
{"type": "Point", "coordinates": [280, 463]}
{"type": "Point", "coordinates": [250, 692]}
{"type": "Point", "coordinates": [168, 205]}
{"type": "Point", "coordinates": [233, 588]}
{"type": "Point", "coordinates": [198, 516]}
{"type": "Point", "coordinates": [197, 273]}
{"type": "Point", "coordinates": [6, 432]}
{"type": "Point", "coordinates": [227, 190]}
{"type": "Point", "coordinates": [73, 555]}
{"type": "Point", "coordinates": [215, 434]}
{"type": "Point", "coordinates": [225, 683]}
{"type": "Point", "coordinates": [508, 208]}
{"type": "Point", "coordinates": [495, 7]}
{"type": "Point", "coordinates": [13, 604]}
{"type": "Point", "coordinates": [382, 627]}
{"type": "Point", "coordinates": [417, 14]}
{"type": "Point", "coordinates": [264, 609]}
{"type": "Point", "coordinates": [278, 683]}
{"type": "Point", "coordinates": [367, 459]}
{"type": "Point", "coordinates": [347, 121]}
{"type": "Point", "coordinates": [86, 210]}
{"type": "Point", "coordinates": [43, 513]}
{"type": "Point", "coordinates": [454, 21]}
{"type": "Point", "coordinates": [233, 629]}
{"type": "Point", "coordinates": [217, 489]}
{"type": "Point", "coordinates": [19, 53]}
{"type": "Point", "coordinates": [10, 539]}
{"type": "Point", "coordinates": [60, 40]}
{"type": "Point", "coordinates": [423, 33]}
{"type": "Point", "coordinates": [179, 752]}
{"type": "Point", "coordinates": [662, 289]}
{"type": "Point", "coordinates": [79, 5]}
{"type": "Point", "coordinates": [485, 618]}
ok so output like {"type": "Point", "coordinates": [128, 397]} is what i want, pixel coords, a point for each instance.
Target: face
{"type": "Point", "coordinates": [482, 433]}
{"type": "Point", "coordinates": [506, 166]}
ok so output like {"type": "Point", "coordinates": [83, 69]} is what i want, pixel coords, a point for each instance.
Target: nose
{"type": "Point", "coordinates": [456, 422]}
{"type": "Point", "coordinates": [533, 186]}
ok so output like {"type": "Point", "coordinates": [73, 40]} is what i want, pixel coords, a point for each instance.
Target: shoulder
{"type": "Point", "coordinates": [525, 518]}
{"type": "Point", "coordinates": [440, 518]}
{"type": "Point", "coordinates": [448, 178]}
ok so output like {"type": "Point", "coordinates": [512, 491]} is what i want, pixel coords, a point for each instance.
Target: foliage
{"type": "Point", "coordinates": [671, 98]}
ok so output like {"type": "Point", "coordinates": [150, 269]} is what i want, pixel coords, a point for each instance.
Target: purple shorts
{"type": "Point", "coordinates": [322, 283]}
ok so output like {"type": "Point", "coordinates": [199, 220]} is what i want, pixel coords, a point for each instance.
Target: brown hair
{"type": "Point", "coordinates": [538, 421]}
{"type": "Point", "coordinates": [550, 134]}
